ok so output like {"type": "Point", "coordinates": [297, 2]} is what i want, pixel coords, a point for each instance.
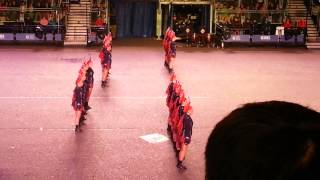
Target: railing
{"type": "Point", "coordinates": [274, 16]}
{"type": "Point", "coordinates": [22, 24]}
{"type": "Point", "coordinates": [314, 11]}
{"type": "Point", "coordinates": [262, 22]}
{"type": "Point", "coordinates": [250, 26]}
{"type": "Point", "coordinates": [14, 27]}
{"type": "Point", "coordinates": [96, 32]}
{"type": "Point", "coordinates": [88, 10]}
{"type": "Point", "coordinates": [284, 37]}
{"type": "Point", "coordinates": [32, 33]}
{"type": "Point", "coordinates": [27, 15]}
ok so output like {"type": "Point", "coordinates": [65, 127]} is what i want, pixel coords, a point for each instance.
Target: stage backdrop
{"type": "Point", "coordinates": [135, 18]}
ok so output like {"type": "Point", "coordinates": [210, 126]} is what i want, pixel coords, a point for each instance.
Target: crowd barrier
{"type": "Point", "coordinates": [51, 34]}
{"type": "Point", "coordinates": [267, 39]}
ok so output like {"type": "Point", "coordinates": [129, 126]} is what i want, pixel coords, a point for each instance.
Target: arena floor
{"type": "Point", "coordinates": [37, 139]}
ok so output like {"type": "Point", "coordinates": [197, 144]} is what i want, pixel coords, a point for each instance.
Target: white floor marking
{"type": "Point", "coordinates": [154, 138]}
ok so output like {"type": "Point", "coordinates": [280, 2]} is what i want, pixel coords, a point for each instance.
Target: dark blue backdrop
{"type": "Point", "coordinates": [135, 18]}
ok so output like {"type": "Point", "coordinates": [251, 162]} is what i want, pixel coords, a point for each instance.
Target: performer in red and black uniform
{"type": "Point", "coordinates": [172, 101]}
{"type": "Point", "coordinates": [106, 59]}
{"type": "Point", "coordinates": [85, 88]}
{"type": "Point", "coordinates": [173, 111]}
{"type": "Point", "coordinates": [77, 100]}
{"type": "Point", "coordinates": [169, 93]}
{"type": "Point", "coordinates": [172, 50]}
{"type": "Point", "coordinates": [178, 112]}
{"type": "Point", "coordinates": [174, 116]}
{"type": "Point", "coordinates": [165, 43]}
{"type": "Point", "coordinates": [89, 83]}
{"type": "Point", "coordinates": [184, 129]}
{"type": "Point", "coordinates": [179, 121]}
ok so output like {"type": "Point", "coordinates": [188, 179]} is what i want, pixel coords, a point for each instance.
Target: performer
{"type": "Point", "coordinates": [105, 56]}
{"type": "Point", "coordinates": [105, 64]}
{"type": "Point", "coordinates": [179, 121]}
{"type": "Point", "coordinates": [171, 50]}
{"type": "Point", "coordinates": [85, 88]}
{"type": "Point", "coordinates": [172, 101]}
{"type": "Point", "coordinates": [89, 83]}
{"type": "Point", "coordinates": [179, 111]}
{"type": "Point", "coordinates": [165, 43]}
{"type": "Point", "coordinates": [77, 100]}
{"type": "Point", "coordinates": [175, 114]}
{"type": "Point", "coordinates": [185, 136]}
{"type": "Point", "coordinates": [169, 93]}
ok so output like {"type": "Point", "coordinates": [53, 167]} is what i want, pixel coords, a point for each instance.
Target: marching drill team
{"type": "Point", "coordinates": [179, 120]}
{"type": "Point", "coordinates": [81, 93]}
{"type": "Point", "coordinates": [85, 80]}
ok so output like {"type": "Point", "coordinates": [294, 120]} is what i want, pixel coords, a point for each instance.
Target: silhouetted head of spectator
{"type": "Point", "coordinates": [272, 140]}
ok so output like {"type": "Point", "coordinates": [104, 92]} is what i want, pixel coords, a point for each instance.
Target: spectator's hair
{"type": "Point", "coordinates": [272, 140]}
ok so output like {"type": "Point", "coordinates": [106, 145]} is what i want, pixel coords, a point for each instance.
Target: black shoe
{"type": "Point", "coordinates": [181, 166]}
{"type": "Point", "coordinates": [77, 129]}
{"type": "Point", "coordinates": [87, 107]}
{"type": "Point", "coordinates": [103, 84]}
{"type": "Point", "coordinates": [82, 123]}
{"type": "Point", "coordinates": [169, 128]}
{"type": "Point", "coordinates": [82, 118]}
{"type": "Point", "coordinates": [170, 70]}
{"type": "Point", "coordinates": [176, 151]}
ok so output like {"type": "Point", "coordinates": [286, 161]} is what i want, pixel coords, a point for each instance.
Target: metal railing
{"type": "Point", "coordinates": [314, 11]}
{"type": "Point", "coordinates": [13, 15]}
{"type": "Point", "coordinates": [96, 32]}
{"type": "Point", "coordinates": [251, 21]}
{"type": "Point", "coordinates": [23, 28]}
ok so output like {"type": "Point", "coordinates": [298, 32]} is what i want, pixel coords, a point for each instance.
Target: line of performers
{"type": "Point", "coordinates": [170, 49]}
{"type": "Point", "coordinates": [85, 80]}
{"type": "Point", "coordinates": [179, 121]}
{"type": "Point", "coordinates": [82, 93]}
{"type": "Point", "coordinates": [106, 59]}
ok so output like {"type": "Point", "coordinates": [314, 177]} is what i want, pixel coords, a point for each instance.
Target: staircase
{"type": "Point", "coordinates": [298, 10]}
{"type": "Point", "coordinates": [77, 23]}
